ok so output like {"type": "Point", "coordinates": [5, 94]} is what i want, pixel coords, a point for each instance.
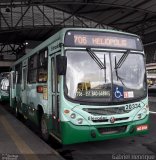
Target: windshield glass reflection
{"type": "Point", "coordinates": [87, 81]}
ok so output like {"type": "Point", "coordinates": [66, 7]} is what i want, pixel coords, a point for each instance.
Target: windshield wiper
{"type": "Point", "coordinates": [117, 75]}
{"type": "Point", "coordinates": [95, 58]}
{"type": "Point", "coordinates": [122, 59]}
{"type": "Point", "coordinates": [119, 64]}
{"type": "Point", "coordinates": [98, 61]}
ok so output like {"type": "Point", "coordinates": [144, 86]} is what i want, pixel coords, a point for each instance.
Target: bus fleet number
{"type": "Point", "coordinates": [132, 106]}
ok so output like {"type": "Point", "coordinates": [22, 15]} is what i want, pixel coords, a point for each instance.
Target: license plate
{"type": "Point", "coordinates": [142, 127]}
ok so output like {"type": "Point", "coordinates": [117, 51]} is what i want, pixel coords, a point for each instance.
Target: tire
{"type": "Point", "coordinates": [44, 129]}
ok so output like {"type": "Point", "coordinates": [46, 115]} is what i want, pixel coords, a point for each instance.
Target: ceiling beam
{"type": "Point", "coordinates": [143, 20]}
{"type": "Point", "coordinates": [136, 9]}
{"type": "Point", "coordinates": [22, 16]}
{"type": "Point", "coordinates": [45, 15]}
{"type": "Point", "coordinates": [1, 14]}
{"type": "Point", "coordinates": [101, 3]}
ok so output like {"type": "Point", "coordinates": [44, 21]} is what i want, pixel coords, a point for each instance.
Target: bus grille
{"type": "Point", "coordinates": [106, 111]}
{"type": "Point", "coordinates": [112, 130]}
{"type": "Point", "coordinates": [106, 120]}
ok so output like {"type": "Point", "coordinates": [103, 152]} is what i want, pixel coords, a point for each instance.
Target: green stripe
{"type": "Point", "coordinates": [75, 134]}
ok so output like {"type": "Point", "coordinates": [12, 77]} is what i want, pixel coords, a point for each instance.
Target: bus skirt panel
{"type": "Point", "coordinates": [71, 133]}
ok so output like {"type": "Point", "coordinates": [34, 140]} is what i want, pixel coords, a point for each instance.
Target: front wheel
{"type": "Point", "coordinates": [44, 129]}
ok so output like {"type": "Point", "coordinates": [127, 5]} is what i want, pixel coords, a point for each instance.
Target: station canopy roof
{"type": "Point", "coordinates": [36, 20]}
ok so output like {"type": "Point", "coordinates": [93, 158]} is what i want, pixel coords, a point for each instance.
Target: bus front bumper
{"type": "Point", "coordinates": [71, 133]}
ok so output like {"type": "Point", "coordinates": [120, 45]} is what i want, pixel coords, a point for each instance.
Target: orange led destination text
{"type": "Point", "coordinates": [109, 41]}
{"type": "Point", "coordinates": [100, 41]}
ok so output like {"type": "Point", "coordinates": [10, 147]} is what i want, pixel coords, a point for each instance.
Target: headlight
{"type": "Point", "coordinates": [73, 116]}
{"type": "Point", "coordinates": [144, 110]}
{"type": "Point", "coordinates": [80, 120]}
{"type": "Point", "coordinates": [141, 114]}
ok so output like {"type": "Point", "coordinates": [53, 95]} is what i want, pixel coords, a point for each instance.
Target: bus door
{"type": "Point", "coordinates": [55, 96]}
{"type": "Point", "coordinates": [24, 82]}
{"type": "Point", "coordinates": [12, 87]}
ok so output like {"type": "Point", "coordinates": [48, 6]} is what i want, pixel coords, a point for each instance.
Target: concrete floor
{"type": "Point", "coordinates": [19, 142]}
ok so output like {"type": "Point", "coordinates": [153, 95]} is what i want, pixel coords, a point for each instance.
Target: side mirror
{"type": "Point", "coordinates": [61, 64]}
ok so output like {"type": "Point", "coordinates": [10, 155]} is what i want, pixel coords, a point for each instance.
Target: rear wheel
{"type": "Point", "coordinates": [44, 129]}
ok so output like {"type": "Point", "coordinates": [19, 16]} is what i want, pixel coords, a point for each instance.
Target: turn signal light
{"type": "Point", "coordinates": [39, 89]}
{"type": "Point", "coordinates": [66, 111]}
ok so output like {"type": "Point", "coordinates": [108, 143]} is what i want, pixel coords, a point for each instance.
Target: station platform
{"type": "Point", "coordinates": [17, 142]}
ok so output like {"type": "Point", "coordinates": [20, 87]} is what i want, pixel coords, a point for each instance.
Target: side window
{"type": "Point", "coordinates": [43, 66]}
{"type": "Point", "coordinates": [14, 77]}
{"type": "Point", "coordinates": [32, 70]}
{"type": "Point", "coordinates": [55, 77]}
{"type": "Point", "coordinates": [53, 74]}
{"type": "Point", "coordinates": [18, 69]}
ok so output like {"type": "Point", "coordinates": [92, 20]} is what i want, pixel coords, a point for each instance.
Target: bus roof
{"type": "Point", "coordinates": [60, 35]}
{"type": "Point", "coordinates": [99, 30]}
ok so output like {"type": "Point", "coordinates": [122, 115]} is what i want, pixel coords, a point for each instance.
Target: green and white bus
{"type": "Point", "coordinates": [4, 88]}
{"type": "Point", "coordinates": [83, 85]}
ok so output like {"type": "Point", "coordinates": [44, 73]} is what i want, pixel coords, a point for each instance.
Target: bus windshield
{"type": "Point", "coordinates": [93, 76]}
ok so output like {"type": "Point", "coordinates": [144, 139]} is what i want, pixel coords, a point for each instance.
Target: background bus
{"type": "Point", "coordinates": [83, 85]}
{"type": "Point", "coordinates": [4, 89]}
{"type": "Point", "coordinates": [151, 75]}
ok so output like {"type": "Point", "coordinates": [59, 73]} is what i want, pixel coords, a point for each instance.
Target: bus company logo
{"type": "Point", "coordinates": [112, 119]}
{"type": "Point", "coordinates": [97, 118]}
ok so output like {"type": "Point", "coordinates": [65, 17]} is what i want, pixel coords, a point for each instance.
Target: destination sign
{"type": "Point", "coordinates": [101, 39]}
{"type": "Point", "coordinates": [93, 93]}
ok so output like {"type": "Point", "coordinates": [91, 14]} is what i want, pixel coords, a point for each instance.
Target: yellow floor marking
{"type": "Point", "coordinates": [21, 145]}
